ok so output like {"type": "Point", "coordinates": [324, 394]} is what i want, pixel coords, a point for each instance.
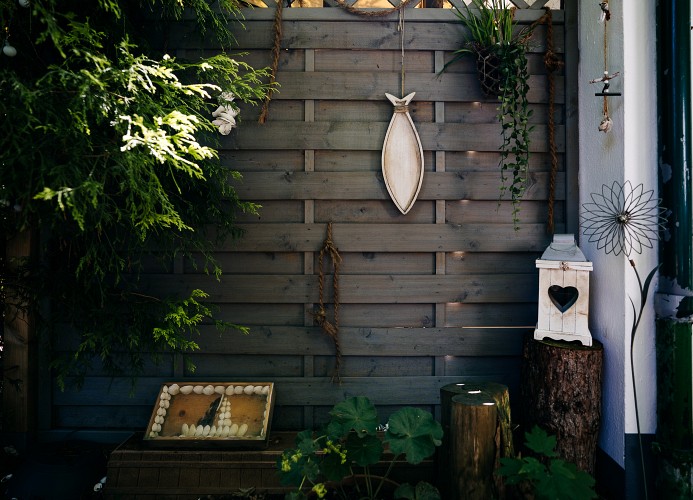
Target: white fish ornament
{"type": "Point", "coordinates": [402, 158]}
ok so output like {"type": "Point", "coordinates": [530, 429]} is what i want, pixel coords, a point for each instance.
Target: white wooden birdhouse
{"type": "Point", "coordinates": [564, 292]}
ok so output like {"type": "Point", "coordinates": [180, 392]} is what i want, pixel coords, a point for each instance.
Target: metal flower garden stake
{"type": "Point", "coordinates": [622, 220]}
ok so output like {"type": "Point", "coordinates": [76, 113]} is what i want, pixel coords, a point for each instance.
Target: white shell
{"type": "Point", "coordinates": [158, 420]}
{"type": "Point", "coordinates": [174, 389]}
{"type": "Point", "coordinates": [208, 390]}
{"type": "Point", "coordinates": [233, 430]}
{"type": "Point", "coordinates": [258, 389]}
{"type": "Point", "coordinates": [198, 389]}
{"type": "Point", "coordinates": [164, 389]}
{"type": "Point", "coordinates": [184, 430]}
{"type": "Point", "coordinates": [213, 430]}
{"type": "Point", "coordinates": [186, 389]}
{"type": "Point", "coordinates": [229, 390]}
{"type": "Point", "coordinates": [160, 411]}
{"type": "Point", "coordinates": [191, 430]}
{"type": "Point", "coordinates": [238, 389]}
{"type": "Point", "coordinates": [166, 404]}
{"type": "Point", "coordinates": [153, 434]}
{"type": "Point", "coordinates": [198, 430]}
{"type": "Point", "coordinates": [205, 430]}
{"type": "Point", "coordinates": [156, 427]}
{"type": "Point", "coordinates": [265, 390]}
{"type": "Point", "coordinates": [227, 421]}
{"type": "Point", "coordinates": [242, 429]}
{"type": "Point", "coordinates": [225, 431]}
{"type": "Point", "coordinates": [219, 389]}
{"type": "Point", "coordinates": [248, 389]}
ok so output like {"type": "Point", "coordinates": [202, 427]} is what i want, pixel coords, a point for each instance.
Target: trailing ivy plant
{"type": "Point", "coordinates": [500, 48]}
{"type": "Point", "coordinates": [108, 155]}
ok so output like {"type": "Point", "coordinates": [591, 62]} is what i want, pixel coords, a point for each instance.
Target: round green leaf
{"type": "Point", "coordinates": [357, 414]}
{"type": "Point", "coordinates": [414, 433]}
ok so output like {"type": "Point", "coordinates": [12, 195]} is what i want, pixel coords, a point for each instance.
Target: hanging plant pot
{"type": "Point", "coordinates": [488, 70]}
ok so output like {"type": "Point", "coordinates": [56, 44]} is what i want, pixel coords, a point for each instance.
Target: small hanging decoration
{"type": "Point", "coordinates": [8, 49]}
{"type": "Point", "coordinates": [606, 123]}
{"type": "Point", "coordinates": [402, 156]}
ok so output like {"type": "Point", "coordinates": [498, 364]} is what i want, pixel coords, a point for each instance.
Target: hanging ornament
{"type": "Point", "coordinates": [402, 156]}
{"type": "Point", "coordinates": [606, 123]}
{"type": "Point", "coordinates": [24, 3]}
{"type": "Point", "coordinates": [9, 50]}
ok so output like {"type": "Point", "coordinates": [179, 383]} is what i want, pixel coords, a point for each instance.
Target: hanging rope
{"type": "Point", "coordinates": [552, 63]}
{"type": "Point", "coordinates": [276, 47]}
{"type": "Point", "coordinates": [332, 330]}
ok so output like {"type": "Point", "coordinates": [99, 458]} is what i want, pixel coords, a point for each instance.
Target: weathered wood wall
{"type": "Point", "coordinates": [441, 294]}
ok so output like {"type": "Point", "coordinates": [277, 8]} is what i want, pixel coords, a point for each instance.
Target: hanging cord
{"type": "Point", "coordinates": [552, 63]}
{"type": "Point", "coordinates": [332, 330]}
{"type": "Point", "coordinates": [605, 106]}
{"type": "Point", "coordinates": [276, 47]}
{"type": "Point", "coordinates": [400, 28]}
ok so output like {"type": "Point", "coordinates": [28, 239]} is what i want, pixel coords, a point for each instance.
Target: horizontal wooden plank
{"type": "Point", "coordinates": [446, 87]}
{"type": "Point", "coordinates": [292, 391]}
{"type": "Point", "coordinates": [354, 289]}
{"type": "Point", "coordinates": [391, 238]}
{"type": "Point", "coordinates": [491, 315]}
{"type": "Point", "coordinates": [374, 33]}
{"type": "Point", "coordinates": [370, 136]}
{"type": "Point", "coordinates": [374, 211]}
{"type": "Point", "coordinates": [413, 15]}
{"type": "Point", "coordinates": [370, 186]}
{"type": "Point", "coordinates": [409, 342]}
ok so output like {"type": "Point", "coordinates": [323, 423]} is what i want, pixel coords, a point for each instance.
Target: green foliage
{"type": "Point", "coordinates": [110, 154]}
{"type": "Point", "coordinates": [558, 479]}
{"type": "Point", "coordinates": [349, 445]}
{"type": "Point", "coordinates": [501, 47]}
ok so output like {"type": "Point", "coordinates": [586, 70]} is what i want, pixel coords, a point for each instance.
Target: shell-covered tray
{"type": "Point", "coordinates": [199, 414]}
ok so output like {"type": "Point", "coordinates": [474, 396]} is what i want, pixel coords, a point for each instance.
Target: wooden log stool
{"type": "Point", "coordinates": [561, 393]}
{"type": "Point", "coordinates": [477, 433]}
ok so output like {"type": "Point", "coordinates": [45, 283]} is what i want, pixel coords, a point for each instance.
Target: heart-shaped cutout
{"type": "Point", "coordinates": [563, 297]}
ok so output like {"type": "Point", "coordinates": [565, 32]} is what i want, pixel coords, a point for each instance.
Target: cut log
{"type": "Point", "coordinates": [462, 471]}
{"type": "Point", "coordinates": [561, 393]}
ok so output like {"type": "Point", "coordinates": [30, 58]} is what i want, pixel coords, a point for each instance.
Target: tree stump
{"type": "Point", "coordinates": [476, 424]}
{"type": "Point", "coordinates": [561, 393]}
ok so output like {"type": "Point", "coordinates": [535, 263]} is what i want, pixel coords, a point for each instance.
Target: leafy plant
{"type": "Point", "coordinates": [349, 446]}
{"type": "Point", "coordinates": [558, 479]}
{"type": "Point", "coordinates": [500, 48]}
{"type": "Point", "coordinates": [109, 153]}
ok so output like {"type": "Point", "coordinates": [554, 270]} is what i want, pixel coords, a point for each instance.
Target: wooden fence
{"type": "Point", "coordinates": [441, 294]}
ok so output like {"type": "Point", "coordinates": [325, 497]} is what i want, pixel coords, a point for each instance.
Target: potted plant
{"type": "Point", "coordinates": [341, 456]}
{"type": "Point", "coordinates": [500, 48]}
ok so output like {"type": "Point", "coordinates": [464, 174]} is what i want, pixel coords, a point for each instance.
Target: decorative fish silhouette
{"type": "Point", "coordinates": [402, 158]}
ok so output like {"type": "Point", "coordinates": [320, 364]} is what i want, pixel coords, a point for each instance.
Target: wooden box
{"type": "Point", "coordinates": [206, 414]}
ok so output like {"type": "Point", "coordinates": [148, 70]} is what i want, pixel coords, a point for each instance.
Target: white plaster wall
{"type": "Point", "coordinates": [628, 152]}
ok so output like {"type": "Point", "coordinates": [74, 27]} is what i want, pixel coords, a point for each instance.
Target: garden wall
{"type": "Point", "coordinates": [441, 294]}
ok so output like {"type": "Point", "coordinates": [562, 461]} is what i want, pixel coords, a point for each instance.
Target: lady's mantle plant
{"type": "Point", "coordinates": [349, 446]}
{"type": "Point", "coordinates": [500, 48]}
{"type": "Point", "coordinates": [109, 154]}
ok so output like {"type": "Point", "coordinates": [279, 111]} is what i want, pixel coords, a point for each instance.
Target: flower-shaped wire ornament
{"type": "Point", "coordinates": [623, 219]}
